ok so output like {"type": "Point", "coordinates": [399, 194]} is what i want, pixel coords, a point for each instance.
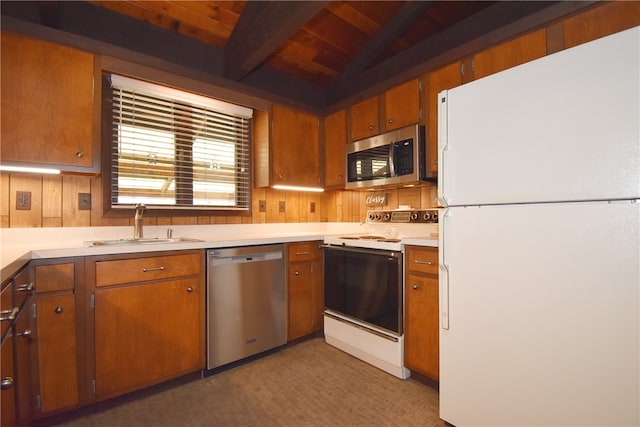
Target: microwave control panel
{"type": "Point", "coordinates": [409, 216]}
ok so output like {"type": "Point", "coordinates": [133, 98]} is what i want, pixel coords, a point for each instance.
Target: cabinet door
{"type": "Point", "coordinates": [364, 119]}
{"type": "Point", "coordinates": [305, 313]}
{"type": "Point", "coordinates": [608, 18]}
{"type": "Point", "coordinates": [421, 325]}
{"type": "Point", "coordinates": [24, 344]}
{"type": "Point", "coordinates": [509, 54]}
{"type": "Point", "coordinates": [295, 147]}
{"type": "Point", "coordinates": [438, 80]}
{"type": "Point", "coordinates": [402, 105]}
{"type": "Point", "coordinates": [335, 140]}
{"type": "Point", "coordinates": [57, 352]}
{"type": "Point", "coordinates": [146, 334]}
{"type": "Point", "coordinates": [47, 104]}
{"type": "Point", "coordinates": [7, 396]}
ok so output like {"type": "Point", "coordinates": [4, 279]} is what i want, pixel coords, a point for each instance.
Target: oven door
{"type": "Point", "coordinates": [365, 285]}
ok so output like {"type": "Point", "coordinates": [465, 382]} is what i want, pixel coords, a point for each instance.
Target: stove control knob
{"type": "Point", "coordinates": [377, 217]}
{"type": "Point", "coordinates": [414, 216]}
{"type": "Point", "coordinates": [427, 216]}
{"type": "Point", "coordinates": [387, 216]}
{"type": "Point", "coordinates": [372, 216]}
{"type": "Point", "coordinates": [434, 217]}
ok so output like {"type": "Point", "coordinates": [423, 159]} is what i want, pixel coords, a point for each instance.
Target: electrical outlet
{"type": "Point", "coordinates": [262, 205]}
{"type": "Point", "coordinates": [23, 200]}
{"type": "Point", "coordinates": [84, 201]}
{"type": "Point", "coordinates": [312, 207]}
{"type": "Point", "coordinates": [282, 206]}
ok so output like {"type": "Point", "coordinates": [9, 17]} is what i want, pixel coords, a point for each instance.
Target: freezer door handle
{"type": "Point", "coordinates": [443, 146]}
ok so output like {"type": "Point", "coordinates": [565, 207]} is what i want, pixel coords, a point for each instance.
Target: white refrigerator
{"type": "Point", "coordinates": [539, 179]}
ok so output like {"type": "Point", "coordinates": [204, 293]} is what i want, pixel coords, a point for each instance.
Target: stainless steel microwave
{"type": "Point", "coordinates": [392, 158]}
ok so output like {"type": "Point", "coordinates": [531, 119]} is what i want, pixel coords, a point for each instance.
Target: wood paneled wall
{"type": "Point", "coordinates": [54, 203]}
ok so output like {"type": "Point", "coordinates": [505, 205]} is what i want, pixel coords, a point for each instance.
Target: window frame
{"type": "Point", "coordinates": [110, 210]}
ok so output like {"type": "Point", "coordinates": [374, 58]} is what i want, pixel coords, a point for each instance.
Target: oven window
{"type": "Point", "coordinates": [365, 286]}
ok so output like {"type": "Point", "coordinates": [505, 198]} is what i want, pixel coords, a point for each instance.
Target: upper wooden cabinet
{"type": "Point", "coordinates": [287, 148]}
{"type": "Point", "coordinates": [364, 119]}
{"type": "Point", "coordinates": [509, 54]}
{"type": "Point", "coordinates": [402, 105]}
{"type": "Point", "coordinates": [607, 18]}
{"type": "Point", "coordinates": [436, 81]}
{"type": "Point", "coordinates": [335, 140]}
{"type": "Point", "coordinates": [395, 108]}
{"type": "Point", "coordinates": [48, 105]}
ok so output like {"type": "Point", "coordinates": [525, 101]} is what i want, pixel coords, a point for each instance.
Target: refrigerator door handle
{"type": "Point", "coordinates": [444, 296]}
{"type": "Point", "coordinates": [444, 271]}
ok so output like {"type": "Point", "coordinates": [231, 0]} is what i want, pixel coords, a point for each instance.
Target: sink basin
{"type": "Point", "coordinates": [143, 241]}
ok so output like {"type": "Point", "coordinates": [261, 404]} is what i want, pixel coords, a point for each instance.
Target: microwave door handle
{"type": "Point", "coordinates": [392, 166]}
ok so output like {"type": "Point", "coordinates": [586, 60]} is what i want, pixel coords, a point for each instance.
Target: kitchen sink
{"type": "Point", "coordinates": [141, 241]}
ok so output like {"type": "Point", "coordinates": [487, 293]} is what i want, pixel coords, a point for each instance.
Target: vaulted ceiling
{"type": "Point", "coordinates": [316, 52]}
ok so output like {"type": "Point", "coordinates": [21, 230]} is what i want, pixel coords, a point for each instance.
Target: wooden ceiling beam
{"type": "Point", "coordinates": [384, 38]}
{"type": "Point", "coordinates": [261, 29]}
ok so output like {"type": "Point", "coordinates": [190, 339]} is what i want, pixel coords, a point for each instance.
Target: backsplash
{"type": "Point", "coordinates": [54, 203]}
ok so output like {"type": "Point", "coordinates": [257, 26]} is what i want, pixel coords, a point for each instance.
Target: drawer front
{"type": "Point", "coordinates": [302, 251]}
{"type": "Point", "coordinates": [55, 277]}
{"type": "Point", "coordinates": [23, 287]}
{"type": "Point", "coordinates": [141, 269]}
{"type": "Point", "coordinates": [6, 306]}
{"type": "Point", "coordinates": [423, 260]}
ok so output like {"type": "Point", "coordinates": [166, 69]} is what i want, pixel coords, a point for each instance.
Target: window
{"type": "Point", "coordinates": [171, 149]}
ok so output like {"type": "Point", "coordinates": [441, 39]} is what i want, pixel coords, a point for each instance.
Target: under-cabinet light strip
{"type": "Point", "coordinates": [296, 188]}
{"type": "Point", "coordinates": [29, 170]}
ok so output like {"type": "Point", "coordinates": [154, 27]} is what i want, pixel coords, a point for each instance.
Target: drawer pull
{"type": "Point", "coordinates": [6, 383]}
{"type": "Point", "coordinates": [10, 314]}
{"type": "Point", "coordinates": [189, 289]}
{"type": "Point", "coordinates": [58, 310]}
{"type": "Point", "coordinates": [302, 253]}
{"type": "Point", "coordinates": [417, 261]}
{"type": "Point", "coordinates": [26, 288]}
{"type": "Point", "coordinates": [145, 270]}
{"type": "Point", "coordinates": [416, 287]}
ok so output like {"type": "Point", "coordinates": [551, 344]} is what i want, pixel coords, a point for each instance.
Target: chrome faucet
{"type": "Point", "coordinates": [137, 221]}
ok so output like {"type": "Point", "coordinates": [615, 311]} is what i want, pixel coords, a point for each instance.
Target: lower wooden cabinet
{"type": "Point", "coordinates": [305, 289]}
{"type": "Point", "coordinates": [421, 333]}
{"type": "Point", "coordinates": [7, 389]}
{"type": "Point", "coordinates": [148, 320]}
{"type": "Point", "coordinates": [56, 336]}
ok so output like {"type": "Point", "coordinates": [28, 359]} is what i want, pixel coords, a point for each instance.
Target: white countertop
{"type": "Point", "coordinates": [56, 242]}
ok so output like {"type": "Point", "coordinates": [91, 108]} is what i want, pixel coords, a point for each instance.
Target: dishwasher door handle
{"type": "Point", "coordinates": [247, 258]}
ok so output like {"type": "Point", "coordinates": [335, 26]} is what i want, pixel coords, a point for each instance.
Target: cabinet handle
{"type": "Point", "coordinates": [58, 310]}
{"type": "Point", "coordinates": [10, 314]}
{"type": "Point", "coordinates": [189, 289]}
{"type": "Point", "coordinates": [80, 154]}
{"type": "Point", "coordinates": [302, 253]}
{"type": "Point", "coordinates": [25, 334]}
{"type": "Point", "coordinates": [416, 287]}
{"type": "Point", "coordinates": [370, 127]}
{"type": "Point", "coordinates": [144, 270]}
{"type": "Point", "coordinates": [390, 121]}
{"type": "Point", "coordinates": [417, 261]}
{"type": "Point", "coordinates": [6, 383]}
{"type": "Point", "coordinates": [25, 288]}
{"type": "Point", "coordinates": [297, 273]}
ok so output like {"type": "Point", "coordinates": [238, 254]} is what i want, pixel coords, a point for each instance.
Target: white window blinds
{"type": "Point", "coordinates": [176, 149]}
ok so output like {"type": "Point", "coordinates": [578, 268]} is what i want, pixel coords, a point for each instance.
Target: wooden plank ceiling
{"type": "Point", "coordinates": [323, 51]}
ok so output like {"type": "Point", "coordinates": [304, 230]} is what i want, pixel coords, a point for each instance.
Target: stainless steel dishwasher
{"type": "Point", "coordinates": [246, 302]}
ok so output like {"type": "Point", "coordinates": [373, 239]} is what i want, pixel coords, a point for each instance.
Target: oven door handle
{"type": "Point", "coordinates": [395, 254]}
